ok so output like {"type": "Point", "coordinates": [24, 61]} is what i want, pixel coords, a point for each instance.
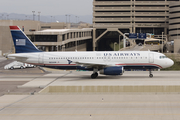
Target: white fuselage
{"type": "Point", "coordinates": [83, 60]}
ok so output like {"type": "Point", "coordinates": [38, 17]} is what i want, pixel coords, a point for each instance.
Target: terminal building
{"type": "Point", "coordinates": [48, 36]}
{"type": "Point", "coordinates": [116, 17]}
{"type": "Point", "coordinates": [111, 19]}
{"type": "Point", "coordinates": [62, 39]}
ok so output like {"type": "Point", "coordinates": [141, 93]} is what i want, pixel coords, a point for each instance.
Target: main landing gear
{"type": "Point", "coordinates": [150, 73]}
{"type": "Point", "coordinates": [95, 74]}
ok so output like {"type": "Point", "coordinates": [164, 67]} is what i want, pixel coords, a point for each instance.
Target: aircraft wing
{"type": "Point", "coordinates": [94, 64]}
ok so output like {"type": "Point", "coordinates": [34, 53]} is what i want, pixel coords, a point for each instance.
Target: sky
{"type": "Point", "coordinates": [47, 7]}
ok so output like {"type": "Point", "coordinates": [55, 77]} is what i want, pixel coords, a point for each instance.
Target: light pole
{"type": "Point", "coordinates": [76, 44]}
{"type": "Point", "coordinates": [69, 18]}
{"type": "Point", "coordinates": [54, 18]}
{"type": "Point", "coordinates": [76, 19]}
{"type": "Point", "coordinates": [114, 45]}
{"type": "Point", "coordinates": [162, 41]}
{"type": "Point", "coordinates": [33, 14]}
{"type": "Point", "coordinates": [124, 39]}
{"type": "Point", "coordinates": [39, 16]}
{"type": "Point", "coordinates": [66, 18]}
{"type": "Point", "coordinates": [51, 18]}
{"type": "Point", "coordinates": [119, 42]}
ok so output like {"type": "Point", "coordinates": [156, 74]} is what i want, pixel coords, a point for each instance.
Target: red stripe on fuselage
{"type": "Point", "coordinates": [14, 28]}
{"type": "Point", "coordinates": [130, 64]}
{"type": "Point", "coordinates": [61, 64]}
{"type": "Point", "coordinates": [140, 64]}
{"type": "Point", "coordinates": [53, 64]}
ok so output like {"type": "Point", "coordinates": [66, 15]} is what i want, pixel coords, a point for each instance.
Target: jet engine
{"type": "Point", "coordinates": [115, 70]}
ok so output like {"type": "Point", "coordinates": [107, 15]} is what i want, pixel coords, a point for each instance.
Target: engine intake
{"type": "Point", "coordinates": [115, 70]}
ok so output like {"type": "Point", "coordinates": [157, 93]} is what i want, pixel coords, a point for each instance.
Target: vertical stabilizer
{"type": "Point", "coordinates": [21, 41]}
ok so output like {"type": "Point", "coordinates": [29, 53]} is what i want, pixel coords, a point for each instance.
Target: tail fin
{"type": "Point", "coordinates": [22, 43]}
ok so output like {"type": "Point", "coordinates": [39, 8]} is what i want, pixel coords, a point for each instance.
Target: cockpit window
{"type": "Point", "coordinates": [162, 57]}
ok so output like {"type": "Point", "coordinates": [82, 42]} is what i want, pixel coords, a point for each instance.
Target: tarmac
{"type": "Point", "coordinates": [38, 95]}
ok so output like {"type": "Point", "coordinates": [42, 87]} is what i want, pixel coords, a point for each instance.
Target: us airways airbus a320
{"type": "Point", "coordinates": [107, 62]}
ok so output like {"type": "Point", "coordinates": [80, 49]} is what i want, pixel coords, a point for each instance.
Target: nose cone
{"type": "Point", "coordinates": [171, 62]}
{"type": "Point", "coordinates": [167, 63]}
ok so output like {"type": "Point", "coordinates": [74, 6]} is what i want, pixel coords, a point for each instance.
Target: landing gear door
{"type": "Point", "coordinates": [151, 58]}
{"type": "Point", "coordinates": [41, 57]}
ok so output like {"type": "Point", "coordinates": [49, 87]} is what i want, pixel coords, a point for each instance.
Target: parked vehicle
{"type": "Point", "coordinates": [20, 65]}
{"type": "Point", "coordinates": [15, 65]}
{"type": "Point", "coordinates": [29, 65]}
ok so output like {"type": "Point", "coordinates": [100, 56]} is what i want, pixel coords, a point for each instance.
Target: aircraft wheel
{"type": "Point", "coordinates": [22, 67]}
{"type": "Point", "coordinates": [94, 75]}
{"type": "Point", "coordinates": [151, 75]}
{"type": "Point", "coordinates": [12, 68]}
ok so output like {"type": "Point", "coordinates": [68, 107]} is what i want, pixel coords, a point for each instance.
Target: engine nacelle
{"type": "Point", "coordinates": [115, 70]}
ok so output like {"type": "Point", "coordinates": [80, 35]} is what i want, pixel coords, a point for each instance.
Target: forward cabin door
{"type": "Point", "coordinates": [41, 57]}
{"type": "Point", "coordinates": [151, 58]}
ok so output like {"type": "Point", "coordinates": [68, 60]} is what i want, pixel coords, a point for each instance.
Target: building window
{"type": "Point", "coordinates": [63, 37]}
{"type": "Point", "coordinates": [43, 38]}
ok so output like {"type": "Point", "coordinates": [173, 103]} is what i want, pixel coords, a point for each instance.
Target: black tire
{"type": "Point", "coordinates": [12, 68]}
{"type": "Point", "coordinates": [151, 75]}
{"type": "Point", "coordinates": [22, 67]}
{"type": "Point", "coordinates": [94, 75]}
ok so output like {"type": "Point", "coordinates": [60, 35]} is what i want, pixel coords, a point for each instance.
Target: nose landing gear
{"type": "Point", "coordinates": [150, 74]}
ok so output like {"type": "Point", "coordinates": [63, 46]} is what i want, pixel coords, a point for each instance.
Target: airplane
{"type": "Point", "coordinates": [104, 62]}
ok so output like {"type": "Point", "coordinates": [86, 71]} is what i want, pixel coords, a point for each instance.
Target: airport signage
{"type": "Point", "coordinates": [132, 35]}
{"type": "Point", "coordinates": [142, 36]}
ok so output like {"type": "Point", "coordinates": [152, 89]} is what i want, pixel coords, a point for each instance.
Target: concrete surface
{"type": "Point", "coordinates": [11, 79]}
{"type": "Point", "coordinates": [137, 81]}
{"type": "Point", "coordinates": [19, 103]}
{"type": "Point", "coordinates": [67, 81]}
{"type": "Point", "coordinates": [10, 87]}
{"type": "Point", "coordinates": [128, 78]}
{"type": "Point", "coordinates": [38, 82]}
{"type": "Point", "coordinates": [2, 58]}
{"type": "Point", "coordinates": [90, 106]}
